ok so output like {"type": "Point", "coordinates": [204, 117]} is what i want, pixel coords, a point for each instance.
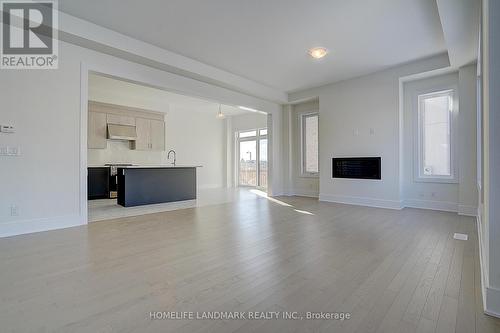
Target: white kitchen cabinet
{"type": "Point", "coordinates": [150, 134]}
{"type": "Point", "coordinates": [120, 119]}
{"type": "Point", "coordinates": [157, 135]}
{"type": "Point", "coordinates": [96, 130]}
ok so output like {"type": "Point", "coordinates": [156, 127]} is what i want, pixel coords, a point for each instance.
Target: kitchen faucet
{"type": "Point", "coordinates": [168, 156]}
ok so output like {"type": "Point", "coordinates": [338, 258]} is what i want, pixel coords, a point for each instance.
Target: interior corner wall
{"type": "Point", "coordinates": [433, 195]}
{"type": "Point", "coordinates": [296, 184]}
{"type": "Point", "coordinates": [360, 117]}
{"type": "Point", "coordinates": [491, 138]}
{"type": "Point", "coordinates": [467, 140]}
{"type": "Point", "coordinates": [462, 196]}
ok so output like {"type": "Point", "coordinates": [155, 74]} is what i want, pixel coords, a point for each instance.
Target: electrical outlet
{"type": "Point", "coordinates": [10, 151]}
{"type": "Point", "coordinates": [14, 210]}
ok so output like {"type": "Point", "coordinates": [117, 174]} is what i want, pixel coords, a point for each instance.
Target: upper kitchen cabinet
{"type": "Point", "coordinates": [143, 129]}
{"type": "Point", "coordinates": [96, 130]}
{"type": "Point", "coordinates": [150, 134]}
{"type": "Point", "coordinates": [120, 119]}
{"type": "Point", "coordinates": [157, 135]}
{"type": "Point", "coordinates": [148, 127]}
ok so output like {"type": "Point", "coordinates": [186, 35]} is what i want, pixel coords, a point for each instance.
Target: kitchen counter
{"type": "Point", "coordinates": [160, 166]}
{"type": "Point", "coordinates": [148, 166]}
{"type": "Point", "coordinates": [152, 184]}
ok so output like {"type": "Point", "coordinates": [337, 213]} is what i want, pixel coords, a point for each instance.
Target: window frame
{"type": "Point", "coordinates": [302, 129]}
{"type": "Point", "coordinates": [419, 136]}
{"type": "Point", "coordinates": [258, 137]}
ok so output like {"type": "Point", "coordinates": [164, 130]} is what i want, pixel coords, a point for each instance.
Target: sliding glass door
{"type": "Point", "coordinates": [252, 158]}
{"type": "Point", "coordinates": [248, 163]}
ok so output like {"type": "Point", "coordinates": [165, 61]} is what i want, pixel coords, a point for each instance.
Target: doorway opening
{"type": "Point", "coordinates": [252, 158]}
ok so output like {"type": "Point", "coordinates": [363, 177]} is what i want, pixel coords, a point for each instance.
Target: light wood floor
{"type": "Point", "coordinates": [393, 271]}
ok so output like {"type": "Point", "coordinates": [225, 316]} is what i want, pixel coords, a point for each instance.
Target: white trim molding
{"type": "Point", "coordinates": [210, 186]}
{"type": "Point", "coordinates": [491, 296]}
{"type": "Point", "coordinates": [361, 201]}
{"type": "Point", "coordinates": [492, 301]}
{"type": "Point", "coordinates": [20, 227]}
{"type": "Point", "coordinates": [304, 193]}
{"type": "Point", "coordinates": [467, 210]}
{"type": "Point", "coordinates": [451, 91]}
{"type": "Point", "coordinates": [431, 205]}
{"type": "Point", "coordinates": [302, 116]}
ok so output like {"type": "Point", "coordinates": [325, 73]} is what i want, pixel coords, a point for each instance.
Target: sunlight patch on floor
{"type": "Point", "coordinates": [264, 195]}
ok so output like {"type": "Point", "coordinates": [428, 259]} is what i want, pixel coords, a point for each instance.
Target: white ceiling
{"type": "Point", "coordinates": [111, 90]}
{"type": "Point", "coordinates": [267, 41]}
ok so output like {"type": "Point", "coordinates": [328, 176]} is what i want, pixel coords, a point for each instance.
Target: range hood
{"type": "Point", "coordinates": [121, 132]}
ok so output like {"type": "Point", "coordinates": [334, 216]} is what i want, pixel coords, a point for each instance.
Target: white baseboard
{"type": "Point", "coordinates": [21, 227]}
{"type": "Point", "coordinates": [361, 201]}
{"type": "Point", "coordinates": [394, 204]}
{"type": "Point", "coordinates": [482, 259]}
{"type": "Point", "coordinates": [432, 205]}
{"type": "Point", "coordinates": [491, 296]}
{"type": "Point", "coordinates": [304, 193]}
{"type": "Point", "coordinates": [492, 303]}
{"type": "Point", "coordinates": [210, 186]}
{"type": "Point", "coordinates": [446, 206]}
{"type": "Point", "coordinates": [467, 210]}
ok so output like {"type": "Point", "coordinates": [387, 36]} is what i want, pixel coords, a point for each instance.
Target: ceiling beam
{"type": "Point", "coordinates": [92, 36]}
{"type": "Point", "coordinates": [460, 21]}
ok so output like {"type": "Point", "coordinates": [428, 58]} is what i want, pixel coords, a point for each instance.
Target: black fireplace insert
{"type": "Point", "coordinates": [356, 167]}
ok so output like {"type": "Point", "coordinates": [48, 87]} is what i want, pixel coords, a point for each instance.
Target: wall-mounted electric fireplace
{"type": "Point", "coordinates": [356, 167]}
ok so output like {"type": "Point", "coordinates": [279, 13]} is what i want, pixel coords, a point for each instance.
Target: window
{"type": "Point", "coordinates": [435, 137]}
{"type": "Point", "coordinates": [309, 129]}
{"type": "Point", "coordinates": [252, 158]}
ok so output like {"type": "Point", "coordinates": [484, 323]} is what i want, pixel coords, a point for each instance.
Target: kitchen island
{"type": "Point", "coordinates": [145, 185]}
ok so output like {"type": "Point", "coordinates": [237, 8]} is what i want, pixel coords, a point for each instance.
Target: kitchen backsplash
{"type": "Point", "coordinates": [120, 152]}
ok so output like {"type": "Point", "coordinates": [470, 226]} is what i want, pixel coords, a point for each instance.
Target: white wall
{"type": "Point", "coordinates": [489, 212]}
{"type": "Point", "coordinates": [467, 126]}
{"type": "Point", "coordinates": [196, 135]}
{"type": "Point", "coordinates": [348, 110]}
{"type": "Point", "coordinates": [198, 138]}
{"type": "Point", "coordinates": [296, 184]}
{"type": "Point", "coordinates": [424, 194]}
{"type": "Point", "coordinates": [248, 121]}
{"type": "Point", "coordinates": [460, 196]}
{"type": "Point", "coordinates": [44, 105]}
{"type": "Point", "coordinates": [493, 206]}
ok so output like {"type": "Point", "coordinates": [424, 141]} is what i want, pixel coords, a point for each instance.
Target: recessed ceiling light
{"type": "Point", "coordinates": [318, 52]}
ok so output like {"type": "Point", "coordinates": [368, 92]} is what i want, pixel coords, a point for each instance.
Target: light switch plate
{"type": "Point", "coordinates": [7, 129]}
{"type": "Point", "coordinates": [10, 151]}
